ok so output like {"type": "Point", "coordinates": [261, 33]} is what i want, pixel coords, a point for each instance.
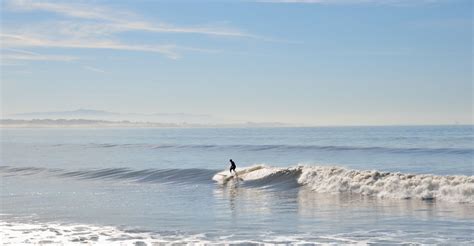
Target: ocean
{"type": "Point", "coordinates": [319, 185]}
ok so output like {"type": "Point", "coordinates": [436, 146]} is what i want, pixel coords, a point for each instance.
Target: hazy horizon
{"type": "Point", "coordinates": [318, 63]}
{"type": "Point", "coordinates": [97, 117]}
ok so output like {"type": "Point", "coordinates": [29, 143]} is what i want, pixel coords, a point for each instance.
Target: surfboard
{"type": "Point", "coordinates": [227, 177]}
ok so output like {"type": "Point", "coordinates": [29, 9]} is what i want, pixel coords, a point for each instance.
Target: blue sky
{"type": "Point", "coordinates": [321, 62]}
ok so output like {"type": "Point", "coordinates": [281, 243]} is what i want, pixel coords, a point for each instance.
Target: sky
{"type": "Point", "coordinates": [312, 62]}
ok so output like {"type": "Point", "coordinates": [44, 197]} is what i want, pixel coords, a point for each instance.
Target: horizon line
{"type": "Point", "coordinates": [247, 124]}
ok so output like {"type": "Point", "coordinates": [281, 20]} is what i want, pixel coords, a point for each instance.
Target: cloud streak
{"type": "Point", "coordinates": [15, 54]}
{"type": "Point", "coordinates": [72, 10]}
{"type": "Point", "coordinates": [87, 26]}
{"type": "Point", "coordinates": [119, 21]}
{"type": "Point", "coordinates": [379, 2]}
{"type": "Point", "coordinates": [94, 69]}
{"type": "Point", "coordinates": [13, 41]}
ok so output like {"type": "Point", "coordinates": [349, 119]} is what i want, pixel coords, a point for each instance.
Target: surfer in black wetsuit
{"type": "Point", "coordinates": [232, 167]}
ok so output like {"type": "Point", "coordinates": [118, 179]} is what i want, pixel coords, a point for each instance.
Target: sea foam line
{"type": "Point", "coordinates": [40, 233]}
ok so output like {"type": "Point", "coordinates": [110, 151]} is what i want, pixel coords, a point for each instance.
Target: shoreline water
{"type": "Point", "coordinates": [79, 234]}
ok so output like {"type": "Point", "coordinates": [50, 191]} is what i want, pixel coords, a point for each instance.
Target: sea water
{"type": "Point", "coordinates": [340, 185]}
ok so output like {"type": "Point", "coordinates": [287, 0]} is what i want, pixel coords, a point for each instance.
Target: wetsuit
{"type": "Point", "coordinates": [232, 166]}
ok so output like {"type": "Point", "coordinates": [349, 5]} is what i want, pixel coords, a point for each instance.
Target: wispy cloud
{"type": "Point", "coordinates": [300, 1]}
{"type": "Point", "coordinates": [13, 41]}
{"type": "Point", "coordinates": [379, 2]}
{"type": "Point", "coordinates": [73, 10]}
{"type": "Point", "coordinates": [94, 69]}
{"type": "Point", "coordinates": [118, 21]}
{"type": "Point", "coordinates": [16, 54]}
{"type": "Point", "coordinates": [38, 58]}
{"type": "Point", "coordinates": [90, 26]}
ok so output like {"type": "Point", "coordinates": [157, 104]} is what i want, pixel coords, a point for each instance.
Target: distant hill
{"type": "Point", "coordinates": [66, 123]}
{"type": "Point", "coordinates": [93, 114]}
{"type": "Point", "coordinates": [13, 123]}
{"type": "Point", "coordinates": [90, 112]}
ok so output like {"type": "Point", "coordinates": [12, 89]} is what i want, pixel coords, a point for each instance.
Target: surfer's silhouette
{"type": "Point", "coordinates": [232, 167]}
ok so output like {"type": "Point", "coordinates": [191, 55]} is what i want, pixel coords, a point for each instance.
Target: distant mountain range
{"type": "Point", "coordinates": [102, 118]}
{"type": "Point", "coordinates": [7, 123]}
{"type": "Point", "coordinates": [61, 123]}
{"type": "Point", "coordinates": [73, 113]}
{"type": "Point", "coordinates": [93, 114]}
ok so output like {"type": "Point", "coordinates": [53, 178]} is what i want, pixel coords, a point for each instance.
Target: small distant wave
{"type": "Point", "coordinates": [193, 175]}
{"type": "Point", "coordinates": [269, 147]}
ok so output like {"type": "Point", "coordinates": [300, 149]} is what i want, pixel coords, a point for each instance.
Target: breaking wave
{"type": "Point", "coordinates": [322, 179]}
{"type": "Point", "coordinates": [327, 179]}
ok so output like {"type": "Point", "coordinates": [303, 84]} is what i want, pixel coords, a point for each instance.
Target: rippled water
{"type": "Point", "coordinates": [333, 184]}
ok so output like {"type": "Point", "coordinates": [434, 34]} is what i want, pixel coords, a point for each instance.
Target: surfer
{"type": "Point", "coordinates": [232, 167]}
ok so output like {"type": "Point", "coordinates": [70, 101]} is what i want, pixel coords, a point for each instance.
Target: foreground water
{"type": "Point", "coordinates": [344, 185]}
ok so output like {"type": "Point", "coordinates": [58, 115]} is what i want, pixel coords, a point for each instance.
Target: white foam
{"type": "Point", "coordinates": [16, 233]}
{"type": "Point", "coordinates": [456, 188]}
{"type": "Point", "coordinates": [35, 233]}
